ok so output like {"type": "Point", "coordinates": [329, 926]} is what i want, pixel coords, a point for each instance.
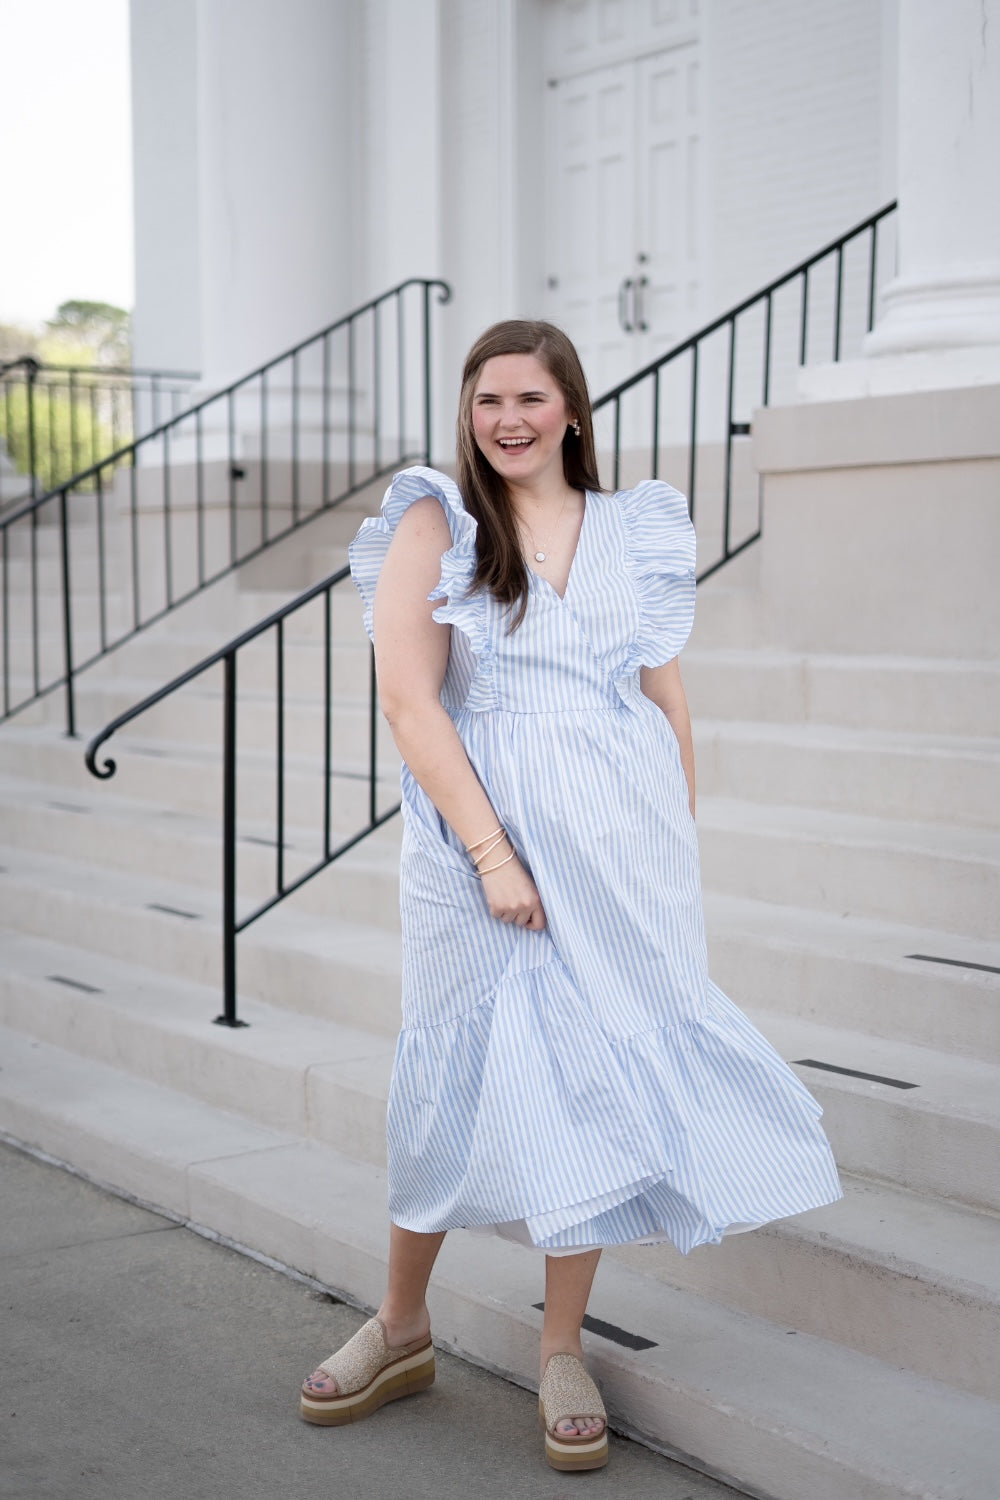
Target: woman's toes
{"type": "Point", "coordinates": [322, 1383]}
{"type": "Point", "coordinates": [580, 1427]}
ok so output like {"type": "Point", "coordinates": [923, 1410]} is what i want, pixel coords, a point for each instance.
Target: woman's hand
{"type": "Point", "coordinates": [512, 895]}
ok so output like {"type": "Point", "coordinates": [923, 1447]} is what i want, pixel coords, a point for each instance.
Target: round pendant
{"type": "Point", "coordinates": [539, 557]}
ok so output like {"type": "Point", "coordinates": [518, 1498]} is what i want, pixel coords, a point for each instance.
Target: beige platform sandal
{"type": "Point", "coordinates": [368, 1374]}
{"type": "Point", "coordinates": [567, 1392]}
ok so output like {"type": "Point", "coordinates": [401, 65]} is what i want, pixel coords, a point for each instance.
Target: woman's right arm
{"type": "Point", "coordinates": [411, 657]}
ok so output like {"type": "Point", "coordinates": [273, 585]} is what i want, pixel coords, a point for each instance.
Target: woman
{"type": "Point", "coordinates": [567, 1075]}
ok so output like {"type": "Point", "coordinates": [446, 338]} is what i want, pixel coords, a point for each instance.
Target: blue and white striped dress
{"type": "Point", "coordinates": [587, 1084]}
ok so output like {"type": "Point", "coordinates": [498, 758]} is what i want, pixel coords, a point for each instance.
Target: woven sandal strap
{"type": "Point", "coordinates": [358, 1361]}
{"type": "Point", "coordinates": [567, 1391]}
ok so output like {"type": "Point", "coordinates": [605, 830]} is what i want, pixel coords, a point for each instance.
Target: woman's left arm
{"type": "Point", "coordinates": [663, 686]}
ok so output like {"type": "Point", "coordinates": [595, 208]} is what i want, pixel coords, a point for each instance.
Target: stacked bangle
{"type": "Point", "coordinates": [492, 841]}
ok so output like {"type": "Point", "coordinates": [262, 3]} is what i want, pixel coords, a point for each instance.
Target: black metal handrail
{"type": "Point", "coordinates": [660, 420]}
{"type": "Point", "coordinates": [326, 772]}
{"type": "Point", "coordinates": [55, 419]}
{"type": "Point", "coordinates": [216, 485]}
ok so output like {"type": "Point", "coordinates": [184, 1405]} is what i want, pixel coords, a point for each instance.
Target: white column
{"type": "Point", "coordinates": [403, 124]}
{"type": "Point", "coordinates": [277, 137]}
{"type": "Point", "coordinates": [938, 322]}
{"type": "Point", "coordinates": [947, 293]}
{"type": "Point", "coordinates": [166, 327]}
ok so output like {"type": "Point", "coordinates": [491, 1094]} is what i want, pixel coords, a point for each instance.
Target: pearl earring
{"type": "Point", "coordinates": [576, 428]}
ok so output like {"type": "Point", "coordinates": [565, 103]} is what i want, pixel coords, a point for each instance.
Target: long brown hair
{"type": "Point", "coordinates": [501, 567]}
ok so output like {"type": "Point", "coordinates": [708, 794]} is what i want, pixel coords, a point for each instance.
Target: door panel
{"type": "Point", "coordinates": [621, 173]}
{"type": "Point", "coordinates": [590, 213]}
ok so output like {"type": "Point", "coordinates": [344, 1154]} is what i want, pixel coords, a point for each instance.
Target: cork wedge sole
{"type": "Point", "coordinates": [568, 1453]}
{"type": "Point", "coordinates": [403, 1377]}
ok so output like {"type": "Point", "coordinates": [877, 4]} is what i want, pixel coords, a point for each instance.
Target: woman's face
{"type": "Point", "coordinates": [519, 418]}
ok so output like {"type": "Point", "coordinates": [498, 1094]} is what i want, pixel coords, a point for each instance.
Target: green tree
{"type": "Point", "coordinates": [69, 434]}
{"type": "Point", "coordinates": [95, 332]}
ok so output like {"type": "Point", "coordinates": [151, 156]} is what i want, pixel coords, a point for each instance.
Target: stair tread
{"type": "Point", "coordinates": [330, 936]}
{"type": "Point", "coordinates": [869, 1426]}
{"type": "Point", "coordinates": [184, 1007]}
{"type": "Point", "coordinates": [771, 656]}
{"type": "Point", "coordinates": [179, 753]}
{"type": "Point", "coordinates": [963, 1086]}
{"type": "Point", "coordinates": [772, 819]}
{"type": "Point", "coordinates": [726, 814]}
{"type": "Point", "coordinates": [837, 934]}
{"type": "Point", "coordinates": [881, 941]}
{"type": "Point", "coordinates": [908, 1233]}
{"type": "Point", "coordinates": [806, 736]}
{"type": "Point", "coordinates": [93, 799]}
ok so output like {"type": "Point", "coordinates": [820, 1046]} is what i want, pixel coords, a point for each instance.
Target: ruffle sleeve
{"type": "Point", "coordinates": [660, 554]}
{"type": "Point", "coordinates": [462, 608]}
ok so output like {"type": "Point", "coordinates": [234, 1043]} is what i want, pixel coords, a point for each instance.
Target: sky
{"type": "Point", "coordinates": [65, 144]}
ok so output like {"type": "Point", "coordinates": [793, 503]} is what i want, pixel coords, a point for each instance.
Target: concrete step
{"type": "Point", "coordinates": [916, 873]}
{"type": "Point", "coordinates": [159, 661]}
{"type": "Point", "coordinates": [187, 779]}
{"type": "Point", "coordinates": [95, 824]}
{"type": "Point", "coordinates": [877, 773]}
{"type": "Point", "coordinates": [192, 718]}
{"type": "Point", "coordinates": [923, 1119]}
{"type": "Point", "coordinates": [908, 1279]}
{"type": "Point", "coordinates": [896, 693]}
{"type": "Point", "coordinates": [314, 1078]}
{"type": "Point", "coordinates": [945, 778]}
{"type": "Point", "coordinates": [335, 968]}
{"type": "Point", "coordinates": [734, 1394]}
{"type": "Point", "coordinates": [840, 970]}
{"type": "Point", "coordinates": [865, 976]}
{"type": "Point", "coordinates": [897, 1270]}
{"type": "Point", "coordinates": [919, 874]}
{"type": "Point", "coordinates": [346, 612]}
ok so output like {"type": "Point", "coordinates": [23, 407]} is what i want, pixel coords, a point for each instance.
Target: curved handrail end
{"type": "Point", "coordinates": [103, 773]}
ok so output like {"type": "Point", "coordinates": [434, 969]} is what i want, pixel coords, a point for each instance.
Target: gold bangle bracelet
{"type": "Point", "coordinates": [477, 859]}
{"type": "Point", "coordinates": [490, 868]}
{"type": "Point", "coordinates": [469, 847]}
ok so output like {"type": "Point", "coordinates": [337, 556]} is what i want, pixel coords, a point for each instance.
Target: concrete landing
{"type": "Point", "coordinates": [142, 1359]}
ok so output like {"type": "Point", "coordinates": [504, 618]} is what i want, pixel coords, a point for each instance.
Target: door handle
{"type": "Point", "coordinates": [623, 292]}
{"type": "Point", "coordinates": [639, 304]}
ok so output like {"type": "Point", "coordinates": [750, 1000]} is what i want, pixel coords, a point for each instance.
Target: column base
{"type": "Point", "coordinates": [958, 312]}
{"type": "Point", "coordinates": [896, 374]}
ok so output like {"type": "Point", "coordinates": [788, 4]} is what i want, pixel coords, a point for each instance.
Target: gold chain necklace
{"type": "Point", "coordinates": [542, 552]}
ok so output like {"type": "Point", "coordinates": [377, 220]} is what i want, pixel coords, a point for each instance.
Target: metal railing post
{"type": "Point", "coordinates": [31, 369]}
{"type": "Point", "coordinates": [67, 617]}
{"type": "Point", "coordinates": [229, 1017]}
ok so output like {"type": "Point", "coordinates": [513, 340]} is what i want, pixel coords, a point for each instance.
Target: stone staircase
{"type": "Point", "coordinates": [852, 1354]}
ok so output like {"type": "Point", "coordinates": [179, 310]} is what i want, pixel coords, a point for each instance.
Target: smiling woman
{"type": "Point", "coordinates": [567, 1075]}
{"type": "Point", "coordinates": [526, 456]}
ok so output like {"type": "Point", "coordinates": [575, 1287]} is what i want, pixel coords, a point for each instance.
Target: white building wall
{"type": "Point", "coordinates": [295, 158]}
{"type": "Point", "coordinates": [797, 124]}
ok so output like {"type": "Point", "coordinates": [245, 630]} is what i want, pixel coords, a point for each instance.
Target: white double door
{"type": "Point", "coordinates": [622, 209]}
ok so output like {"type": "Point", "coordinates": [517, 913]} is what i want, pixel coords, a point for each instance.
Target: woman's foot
{"type": "Point", "coordinates": [399, 1333]}
{"type": "Point", "coordinates": [583, 1424]}
{"type": "Point", "coordinates": [364, 1374]}
{"type": "Point", "coordinates": [573, 1415]}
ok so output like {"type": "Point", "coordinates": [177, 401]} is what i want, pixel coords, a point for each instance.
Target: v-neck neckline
{"type": "Point", "coordinates": [576, 553]}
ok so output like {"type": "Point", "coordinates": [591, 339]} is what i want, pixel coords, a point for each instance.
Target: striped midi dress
{"type": "Point", "coordinates": [587, 1084]}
